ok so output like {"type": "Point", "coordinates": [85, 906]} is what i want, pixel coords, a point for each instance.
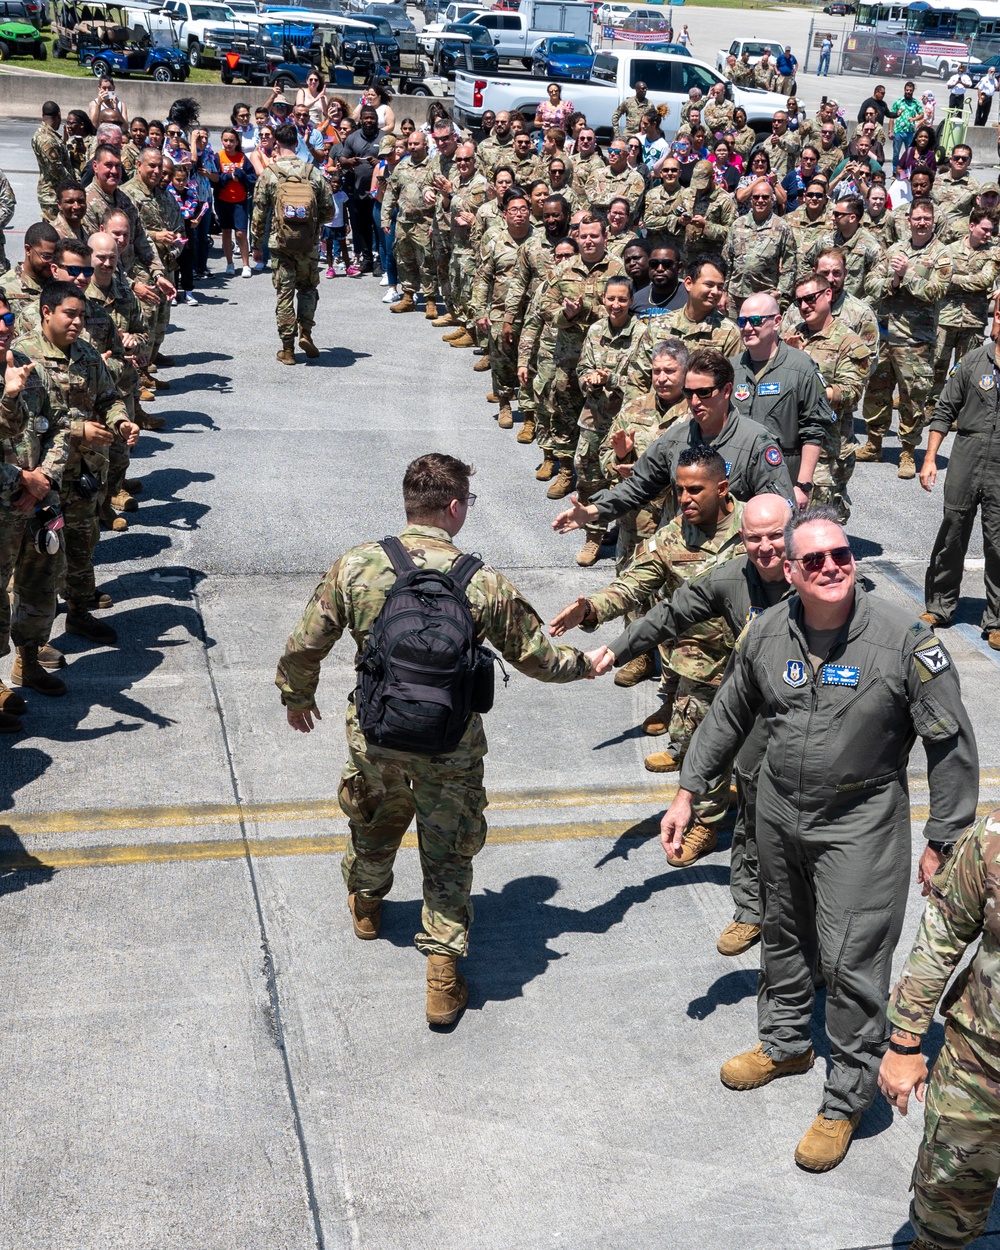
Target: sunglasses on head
{"type": "Point", "coordinates": [815, 561]}
{"type": "Point", "coordinates": [78, 271]}
{"type": "Point", "coordinates": [702, 392]}
{"type": "Point", "coordinates": [757, 320]}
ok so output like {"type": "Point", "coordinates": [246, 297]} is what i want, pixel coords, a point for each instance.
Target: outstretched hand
{"type": "Point", "coordinates": [568, 618]}
{"type": "Point", "coordinates": [576, 517]}
{"type": "Point", "coordinates": [302, 722]}
{"type": "Point", "coordinates": [601, 661]}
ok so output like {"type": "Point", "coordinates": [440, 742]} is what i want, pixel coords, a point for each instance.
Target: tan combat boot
{"type": "Point", "coordinates": [546, 471]}
{"type": "Point", "coordinates": [431, 310]}
{"type": "Point", "coordinates": [123, 502]}
{"type": "Point", "coordinates": [448, 319]}
{"type": "Point", "coordinates": [28, 672]}
{"type": "Point", "coordinates": [658, 722]}
{"type": "Point", "coordinates": [737, 937]}
{"type": "Point", "coordinates": [753, 1068]}
{"type": "Point", "coordinates": [505, 418]}
{"type": "Point", "coordinates": [642, 668]}
{"type": "Point", "coordinates": [698, 841]}
{"type": "Point", "coordinates": [871, 453]}
{"type": "Point", "coordinates": [50, 658]}
{"type": "Point", "coordinates": [366, 913]}
{"type": "Point", "coordinates": [287, 353]}
{"type": "Point", "coordinates": [907, 469]}
{"type": "Point", "coordinates": [146, 421]}
{"type": "Point", "coordinates": [465, 339]}
{"type": "Point", "coordinates": [482, 365]}
{"type": "Point", "coordinates": [492, 399]}
{"type": "Point", "coordinates": [306, 342]}
{"type": "Point", "coordinates": [661, 762]}
{"type": "Point", "coordinates": [110, 520]}
{"type": "Point", "coordinates": [11, 703]}
{"type": "Point", "coordinates": [405, 304]}
{"type": "Point", "coordinates": [825, 1143]}
{"type": "Point", "coordinates": [993, 639]}
{"type": "Point", "coordinates": [589, 553]}
{"type": "Point", "coordinates": [526, 434]}
{"type": "Point", "coordinates": [147, 393]}
{"type": "Point", "coordinates": [933, 621]}
{"type": "Point", "coordinates": [447, 992]}
{"type": "Point", "coordinates": [562, 483]}
{"type": "Point", "coordinates": [452, 335]}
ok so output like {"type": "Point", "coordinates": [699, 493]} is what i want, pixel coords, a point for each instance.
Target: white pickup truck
{"type": "Point", "coordinates": [756, 48]}
{"type": "Point", "coordinates": [516, 35]}
{"type": "Point", "coordinates": [668, 76]}
{"type": "Point", "coordinates": [195, 26]}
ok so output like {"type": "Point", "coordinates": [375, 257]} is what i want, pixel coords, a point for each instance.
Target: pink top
{"type": "Point", "coordinates": [554, 114]}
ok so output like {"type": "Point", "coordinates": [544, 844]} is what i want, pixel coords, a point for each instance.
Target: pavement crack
{"type": "Point", "coordinates": [274, 1024]}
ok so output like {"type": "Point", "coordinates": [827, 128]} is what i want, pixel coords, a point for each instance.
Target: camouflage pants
{"type": "Point", "coordinates": [80, 534]}
{"type": "Point", "coordinates": [441, 252]}
{"type": "Point", "coordinates": [414, 261]}
{"type": "Point", "coordinates": [958, 1163]}
{"type": "Point", "coordinates": [911, 368]}
{"type": "Point", "coordinates": [381, 791]}
{"type": "Point", "coordinates": [291, 276]}
{"type": "Point", "coordinates": [461, 276]}
{"type": "Point", "coordinates": [503, 362]}
{"type": "Point", "coordinates": [589, 474]}
{"type": "Point", "coordinates": [841, 469]}
{"type": "Point", "coordinates": [958, 339]}
{"type": "Point", "coordinates": [691, 704]}
{"type": "Point", "coordinates": [119, 459]}
{"type": "Point", "coordinates": [541, 386]}
{"type": "Point", "coordinates": [565, 401]}
{"type": "Point", "coordinates": [35, 579]}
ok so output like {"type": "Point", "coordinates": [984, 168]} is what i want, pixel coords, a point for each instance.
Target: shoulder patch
{"type": "Point", "coordinates": [931, 660]}
{"type": "Point", "coordinates": [773, 456]}
{"type": "Point", "coordinates": [741, 392]}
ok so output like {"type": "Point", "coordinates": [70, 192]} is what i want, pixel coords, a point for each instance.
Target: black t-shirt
{"type": "Point", "coordinates": [647, 309]}
{"type": "Point", "coordinates": [358, 181]}
{"type": "Point", "coordinates": [879, 106]}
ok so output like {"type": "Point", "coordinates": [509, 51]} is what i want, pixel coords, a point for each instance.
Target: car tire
{"type": "Point", "coordinates": [39, 52]}
{"type": "Point", "coordinates": [57, 52]}
{"type": "Point", "coordinates": [163, 73]}
{"type": "Point", "coordinates": [526, 62]}
{"type": "Point", "coordinates": [194, 54]}
{"type": "Point", "coordinates": [100, 68]}
{"type": "Point", "coordinates": [847, 64]}
{"type": "Point", "coordinates": [226, 74]}
{"type": "Point", "coordinates": [424, 91]}
{"type": "Point", "coordinates": [944, 72]}
{"type": "Point", "coordinates": [4, 51]}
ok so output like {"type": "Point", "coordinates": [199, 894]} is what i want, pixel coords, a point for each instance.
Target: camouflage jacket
{"type": "Point", "coordinates": [265, 195]}
{"type": "Point", "coordinates": [617, 243]}
{"type": "Point", "coordinates": [765, 77]}
{"type": "Point", "coordinates": [574, 280]}
{"type": "Point", "coordinates": [99, 330]}
{"type": "Point", "coordinates": [719, 211]}
{"type": "Point", "coordinates": [865, 260]}
{"type": "Point", "coordinates": [405, 191]}
{"type": "Point", "coordinates": [130, 158]}
{"type": "Point", "coordinates": [494, 274]}
{"type": "Point", "coordinates": [659, 217]}
{"type": "Point", "coordinates": [537, 339]}
{"type": "Point", "coordinates": [533, 263]}
{"type": "Point", "coordinates": [446, 167]}
{"type": "Point", "coordinates": [65, 231]}
{"type": "Point", "coordinates": [584, 168]}
{"type": "Point", "coordinates": [807, 232]}
{"type": "Point", "coordinates": [761, 257]}
{"type": "Point", "coordinates": [974, 274]}
{"type": "Point", "coordinates": [79, 384]}
{"type": "Point", "coordinates": [7, 205]}
{"type": "Point", "coordinates": [954, 197]}
{"type": "Point", "coordinates": [883, 231]}
{"type": "Point", "coordinates": [783, 152]}
{"type": "Point", "coordinates": [964, 904]}
{"type": "Point", "coordinates": [632, 110]}
{"type": "Point", "coordinates": [625, 354]}
{"type": "Point", "coordinates": [745, 142]}
{"type": "Point", "coordinates": [487, 215]}
{"type": "Point", "coordinates": [466, 197]}
{"type": "Point", "coordinates": [606, 185]}
{"type": "Point", "coordinates": [22, 295]}
{"type": "Point", "coordinates": [527, 169]}
{"type": "Point", "coordinates": [491, 155]}
{"type": "Point", "coordinates": [715, 331]}
{"type": "Point", "coordinates": [829, 159]}
{"type": "Point", "coordinates": [34, 430]}
{"type": "Point", "coordinates": [644, 419]}
{"type": "Point", "coordinates": [911, 311]}
{"type": "Point", "coordinates": [677, 553]}
{"type": "Point", "coordinates": [99, 208]}
{"type": "Point", "coordinates": [718, 117]}
{"type": "Point", "coordinates": [54, 165]}
{"type": "Point", "coordinates": [123, 311]}
{"type": "Point", "coordinates": [157, 211]}
{"type": "Point", "coordinates": [842, 359]}
{"type": "Point", "coordinates": [351, 595]}
{"type": "Point", "coordinates": [741, 74]}
{"type": "Point", "coordinates": [858, 317]}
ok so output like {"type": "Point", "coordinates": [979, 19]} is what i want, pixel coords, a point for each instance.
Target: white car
{"type": "Point", "coordinates": [428, 37]}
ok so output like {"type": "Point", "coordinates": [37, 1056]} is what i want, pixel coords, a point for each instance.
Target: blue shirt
{"type": "Point", "coordinates": [786, 65]}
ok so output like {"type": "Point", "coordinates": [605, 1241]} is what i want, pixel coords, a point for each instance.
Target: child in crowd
{"type": "Point", "coordinates": [185, 192]}
{"type": "Point", "coordinates": [334, 235]}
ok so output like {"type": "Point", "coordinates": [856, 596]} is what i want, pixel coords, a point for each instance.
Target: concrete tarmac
{"type": "Point", "coordinates": [197, 1053]}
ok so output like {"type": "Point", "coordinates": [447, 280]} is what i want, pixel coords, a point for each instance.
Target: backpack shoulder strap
{"type": "Point", "coordinates": [399, 557]}
{"type": "Point", "coordinates": [464, 570]}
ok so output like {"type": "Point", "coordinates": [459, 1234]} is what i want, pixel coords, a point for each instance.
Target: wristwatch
{"type": "Point", "coordinates": [898, 1048]}
{"type": "Point", "coordinates": [944, 849]}
{"type": "Point", "coordinates": [805, 487]}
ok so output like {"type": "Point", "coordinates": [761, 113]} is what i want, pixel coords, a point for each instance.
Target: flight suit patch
{"type": "Point", "coordinates": [987, 382]}
{"type": "Point", "coordinates": [931, 661]}
{"type": "Point", "coordinates": [773, 456]}
{"type": "Point", "coordinates": [752, 614]}
{"type": "Point", "coordinates": [742, 392]}
{"type": "Point", "coordinates": [840, 675]}
{"type": "Point", "coordinates": [794, 674]}
{"type": "Point", "coordinates": [769, 388]}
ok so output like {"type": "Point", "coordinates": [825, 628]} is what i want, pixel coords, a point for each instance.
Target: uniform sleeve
{"type": "Point", "coordinates": [951, 401]}
{"type": "Point", "coordinates": [311, 641]}
{"type": "Point", "coordinates": [691, 603]}
{"type": "Point", "coordinates": [637, 376]}
{"type": "Point", "coordinates": [930, 287]}
{"type": "Point", "coordinates": [514, 627]}
{"type": "Point", "coordinates": [939, 717]}
{"type": "Point", "coordinates": [324, 197]}
{"type": "Point", "coordinates": [107, 401]}
{"type": "Point", "coordinates": [952, 919]}
{"type": "Point", "coordinates": [517, 289]}
{"type": "Point", "coordinates": [56, 443]}
{"type": "Point", "coordinates": [852, 374]}
{"type": "Point", "coordinates": [607, 455]}
{"type": "Point", "coordinates": [7, 202]}
{"type": "Point", "coordinates": [787, 263]}
{"type": "Point", "coordinates": [391, 196]}
{"type": "Point", "coordinates": [588, 362]}
{"type": "Point", "coordinates": [718, 232]}
{"type": "Point", "coordinates": [649, 478]}
{"type": "Point", "coordinates": [768, 471]}
{"type": "Point", "coordinates": [648, 574]}
{"type": "Point", "coordinates": [815, 414]}
{"type": "Point", "coordinates": [730, 719]}
{"type": "Point", "coordinates": [263, 199]}
{"type": "Point", "coordinates": [981, 279]}
{"type": "Point", "coordinates": [483, 286]}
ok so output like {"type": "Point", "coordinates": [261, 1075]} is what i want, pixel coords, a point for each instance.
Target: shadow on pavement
{"type": "Point", "coordinates": [336, 358]}
{"type": "Point", "coordinates": [728, 990]}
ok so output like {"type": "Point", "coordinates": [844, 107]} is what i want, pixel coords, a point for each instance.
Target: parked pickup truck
{"type": "Point", "coordinates": [197, 28]}
{"type": "Point", "coordinates": [756, 48]}
{"type": "Point", "coordinates": [669, 78]}
{"type": "Point", "coordinates": [516, 35]}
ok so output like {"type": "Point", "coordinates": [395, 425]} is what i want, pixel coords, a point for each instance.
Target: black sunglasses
{"type": "Point", "coordinates": [757, 320]}
{"type": "Point", "coordinates": [809, 298]}
{"type": "Point", "coordinates": [815, 561]}
{"type": "Point", "coordinates": [663, 264]}
{"type": "Point", "coordinates": [703, 392]}
{"type": "Point", "coordinates": [76, 271]}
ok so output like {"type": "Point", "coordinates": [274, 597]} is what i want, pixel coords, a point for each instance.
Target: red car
{"type": "Point", "coordinates": [508, 6]}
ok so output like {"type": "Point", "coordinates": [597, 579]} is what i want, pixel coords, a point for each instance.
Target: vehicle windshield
{"type": "Point", "coordinates": [211, 13]}
{"type": "Point", "coordinates": [570, 47]}
{"type": "Point", "coordinates": [390, 12]}
{"type": "Point", "coordinates": [757, 49]}
{"type": "Point", "coordinates": [893, 45]}
{"type": "Point", "coordinates": [382, 27]}
{"type": "Point", "coordinates": [479, 35]}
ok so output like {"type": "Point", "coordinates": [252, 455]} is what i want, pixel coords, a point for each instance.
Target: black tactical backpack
{"type": "Point", "coordinates": [423, 673]}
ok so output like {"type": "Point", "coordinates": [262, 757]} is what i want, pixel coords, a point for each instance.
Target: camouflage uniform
{"type": "Point", "coordinates": [808, 231]}
{"type": "Point", "coordinates": [487, 218]}
{"type": "Point", "coordinates": [858, 317]}
{"type": "Point", "coordinates": [441, 227]}
{"type": "Point", "coordinates": [958, 1165]}
{"type": "Point", "coordinates": [907, 358]}
{"type": "Point", "coordinates": [632, 110]}
{"type": "Point", "coordinates": [34, 434]}
{"type": "Point", "coordinates": [719, 211]}
{"type": "Point", "coordinates": [293, 273]}
{"type": "Point", "coordinates": [494, 275]}
{"type": "Point", "coordinates": [625, 354]}
{"type": "Point", "coordinates": [405, 191]}
{"type": "Point", "coordinates": [81, 385]}
{"type": "Point", "coordinates": [491, 155]}
{"type": "Point", "coordinates": [535, 352]}
{"type": "Point", "coordinates": [964, 311]}
{"type": "Point", "coordinates": [54, 166]}
{"type": "Point", "coordinates": [843, 360]}
{"type": "Point", "coordinates": [606, 185]}
{"type": "Point", "coordinates": [715, 331]}
{"type": "Point", "coordinates": [467, 197]}
{"type": "Point", "coordinates": [659, 219]}
{"type": "Point", "coordinates": [527, 169]}
{"type": "Point", "coordinates": [22, 295]}
{"type": "Point", "coordinates": [158, 211]}
{"type": "Point", "coordinates": [761, 257]}
{"type": "Point", "coordinates": [534, 260]}
{"type": "Point", "coordinates": [584, 169]}
{"type": "Point", "coordinates": [140, 250]}
{"type": "Point", "coordinates": [677, 553]}
{"type": "Point", "coordinates": [745, 142]}
{"type": "Point", "coordinates": [765, 77]}
{"type": "Point", "coordinates": [125, 312]}
{"type": "Point", "coordinates": [572, 280]}
{"type": "Point", "coordinates": [953, 198]}
{"type": "Point", "coordinates": [617, 243]}
{"type": "Point", "coordinates": [7, 205]}
{"type": "Point", "coordinates": [741, 75]}
{"type": "Point", "coordinates": [865, 258]}
{"type": "Point", "coordinates": [380, 789]}
{"type": "Point", "coordinates": [882, 231]}
{"type": "Point", "coordinates": [130, 158]}
{"type": "Point", "coordinates": [718, 117]}
{"type": "Point", "coordinates": [783, 152]}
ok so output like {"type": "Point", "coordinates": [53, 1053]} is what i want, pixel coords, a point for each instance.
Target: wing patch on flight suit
{"type": "Point", "coordinates": [840, 675]}
{"type": "Point", "coordinates": [931, 660]}
{"type": "Point", "coordinates": [769, 388]}
{"type": "Point", "coordinates": [742, 392]}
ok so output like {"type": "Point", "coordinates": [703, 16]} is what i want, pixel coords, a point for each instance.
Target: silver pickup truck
{"type": "Point", "coordinates": [668, 76]}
